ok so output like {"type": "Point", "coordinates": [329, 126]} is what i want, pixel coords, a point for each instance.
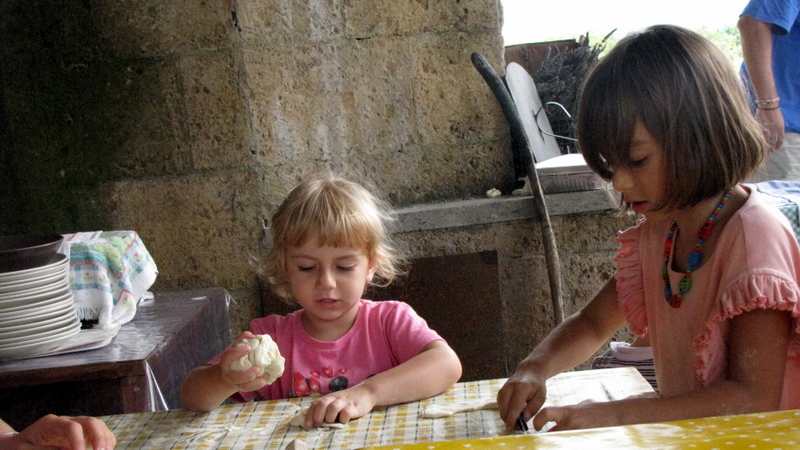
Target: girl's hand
{"type": "Point", "coordinates": [242, 380]}
{"type": "Point", "coordinates": [524, 392]}
{"type": "Point", "coordinates": [340, 406]}
{"type": "Point", "coordinates": [582, 415]}
{"type": "Point", "coordinates": [74, 433]}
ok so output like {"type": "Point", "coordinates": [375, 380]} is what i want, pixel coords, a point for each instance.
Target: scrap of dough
{"type": "Point", "coordinates": [438, 410]}
{"type": "Point", "coordinates": [263, 353]}
{"type": "Point", "coordinates": [297, 444]}
{"type": "Point", "coordinates": [299, 421]}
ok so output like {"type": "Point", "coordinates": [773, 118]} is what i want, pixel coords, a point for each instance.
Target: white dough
{"type": "Point", "coordinates": [297, 444]}
{"type": "Point", "coordinates": [438, 410]}
{"type": "Point", "coordinates": [263, 353]}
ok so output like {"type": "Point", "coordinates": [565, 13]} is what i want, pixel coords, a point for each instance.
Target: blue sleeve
{"type": "Point", "coordinates": [782, 14]}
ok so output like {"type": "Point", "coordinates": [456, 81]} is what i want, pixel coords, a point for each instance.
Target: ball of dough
{"type": "Point", "coordinates": [263, 353]}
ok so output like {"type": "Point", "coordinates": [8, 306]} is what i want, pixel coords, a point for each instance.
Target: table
{"type": "Point", "coordinates": [265, 425]}
{"type": "Point", "coordinates": [141, 370]}
{"type": "Point", "coordinates": [772, 430]}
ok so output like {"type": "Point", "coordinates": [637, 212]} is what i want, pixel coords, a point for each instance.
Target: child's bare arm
{"type": "Point", "coordinates": [207, 387]}
{"type": "Point", "coordinates": [568, 345]}
{"type": "Point", "coordinates": [754, 382]}
{"type": "Point", "coordinates": [428, 373]}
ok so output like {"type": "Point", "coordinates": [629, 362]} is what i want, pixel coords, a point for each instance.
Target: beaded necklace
{"type": "Point", "coordinates": [695, 257]}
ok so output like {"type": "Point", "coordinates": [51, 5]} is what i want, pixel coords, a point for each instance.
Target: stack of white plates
{"type": "Point", "coordinates": [36, 310]}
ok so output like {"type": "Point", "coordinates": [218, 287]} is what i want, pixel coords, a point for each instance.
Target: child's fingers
{"type": "Point", "coordinates": [245, 335]}
{"type": "Point", "coordinates": [512, 400]}
{"type": "Point", "coordinates": [554, 414]}
{"type": "Point", "coordinates": [318, 411]}
{"type": "Point", "coordinates": [253, 385]}
{"type": "Point", "coordinates": [349, 412]}
{"type": "Point", "coordinates": [504, 398]}
{"type": "Point", "coordinates": [536, 402]}
{"type": "Point", "coordinates": [334, 409]}
{"type": "Point", "coordinates": [231, 354]}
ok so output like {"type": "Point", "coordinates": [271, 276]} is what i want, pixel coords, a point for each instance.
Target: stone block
{"type": "Point", "coordinates": [286, 23]}
{"type": "Point", "coordinates": [215, 115]}
{"type": "Point", "coordinates": [528, 311]}
{"type": "Point", "coordinates": [154, 28]}
{"type": "Point", "coordinates": [416, 174]}
{"type": "Point", "coordinates": [588, 233]}
{"type": "Point", "coordinates": [367, 19]}
{"type": "Point", "coordinates": [316, 104]}
{"type": "Point", "coordinates": [139, 121]}
{"type": "Point", "coordinates": [202, 230]}
{"type": "Point", "coordinates": [355, 111]}
{"type": "Point", "coordinates": [454, 104]}
{"type": "Point", "coordinates": [583, 276]}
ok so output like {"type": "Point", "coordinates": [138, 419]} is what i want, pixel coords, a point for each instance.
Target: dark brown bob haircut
{"type": "Point", "coordinates": [688, 96]}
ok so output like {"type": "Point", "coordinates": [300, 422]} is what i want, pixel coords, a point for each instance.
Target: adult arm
{"type": "Point", "coordinates": [756, 362]}
{"type": "Point", "coordinates": [569, 344]}
{"type": "Point", "coordinates": [756, 39]}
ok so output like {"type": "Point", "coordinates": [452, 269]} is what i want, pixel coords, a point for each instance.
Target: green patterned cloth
{"type": "Point", "coordinates": [110, 271]}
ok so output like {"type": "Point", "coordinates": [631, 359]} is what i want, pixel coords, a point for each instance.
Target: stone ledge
{"type": "Point", "coordinates": [462, 213]}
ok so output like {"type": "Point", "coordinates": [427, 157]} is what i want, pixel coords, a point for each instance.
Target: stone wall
{"type": "Point", "coordinates": [189, 120]}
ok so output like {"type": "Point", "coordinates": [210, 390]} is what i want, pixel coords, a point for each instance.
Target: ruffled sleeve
{"type": "Point", "coordinates": [761, 290]}
{"type": "Point", "coordinates": [630, 288]}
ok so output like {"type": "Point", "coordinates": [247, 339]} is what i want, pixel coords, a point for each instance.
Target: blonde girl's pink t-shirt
{"type": "Point", "coordinates": [385, 334]}
{"type": "Point", "coordinates": [755, 265]}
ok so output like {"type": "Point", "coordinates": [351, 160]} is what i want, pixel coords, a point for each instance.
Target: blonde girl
{"type": "Point", "coordinates": [329, 242]}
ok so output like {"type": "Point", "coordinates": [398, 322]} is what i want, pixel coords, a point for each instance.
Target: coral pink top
{"type": "Point", "coordinates": [755, 265]}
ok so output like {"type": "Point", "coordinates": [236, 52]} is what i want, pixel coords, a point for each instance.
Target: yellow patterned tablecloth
{"type": "Point", "coordinates": [265, 425]}
{"type": "Point", "coordinates": [778, 430]}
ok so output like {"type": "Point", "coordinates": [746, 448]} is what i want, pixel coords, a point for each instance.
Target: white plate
{"type": "Point", "coordinates": [33, 349]}
{"type": "Point", "coordinates": [37, 291]}
{"type": "Point", "coordinates": [59, 264]}
{"type": "Point", "coordinates": [15, 320]}
{"type": "Point", "coordinates": [66, 332]}
{"type": "Point", "coordinates": [8, 327]}
{"type": "Point", "coordinates": [6, 304]}
{"type": "Point", "coordinates": [87, 340]}
{"type": "Point", "coordinates": [10, 287]}
{"type": "Point", "coordinates": [38, 337]}
{"type": "Point", "coordinates": [37, 310]}
{"type": "Point", "coordinates": [8, 336]}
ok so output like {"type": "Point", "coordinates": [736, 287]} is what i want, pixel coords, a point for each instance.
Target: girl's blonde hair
{"type": "Point", "coordinates": [686, 94]}
{"type": "Point", "coordinates": [338, 213]}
